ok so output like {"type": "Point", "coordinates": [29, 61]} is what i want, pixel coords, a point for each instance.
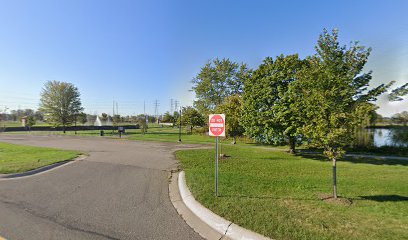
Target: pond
{"type": "Point", "coordinates": [387, 136]}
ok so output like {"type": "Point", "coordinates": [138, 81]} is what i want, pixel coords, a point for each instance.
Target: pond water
{"type": "Point", "coordinates": [379, 137]}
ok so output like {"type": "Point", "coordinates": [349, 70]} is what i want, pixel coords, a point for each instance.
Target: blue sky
{"type": "Point", "coordinates": [136, 51]}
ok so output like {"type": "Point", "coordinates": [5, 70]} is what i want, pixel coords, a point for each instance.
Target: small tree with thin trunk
{"type": "Point", "coordinates": [60, 103]}
{"type": "Point", "coordinates": [332, 96]}
{"type": "Point", "coordinates": [191, 118]}
{"type": "Point", "coordinates": [30, 121]}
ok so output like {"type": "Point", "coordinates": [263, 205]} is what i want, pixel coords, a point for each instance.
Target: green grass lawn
{"type": "Point", "coordinates": [169, 134]}
{"type": "Point", "coordinates": [18, 124]}
{"type": "Point", "coordinates": [277, 194]}
{"type": "Point", "coordinates": [18, 158]}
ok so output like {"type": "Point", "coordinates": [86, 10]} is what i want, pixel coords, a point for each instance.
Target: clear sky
{"type": "Point", "coordinates": [136, 51]}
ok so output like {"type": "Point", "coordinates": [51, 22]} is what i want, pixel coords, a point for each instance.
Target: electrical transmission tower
{"type": "Point", "coordinates": [171, 106]}
{"type": "Point", "coordinates": [156, 109]}
{"type": "Point", "coordinates": [176, 105]}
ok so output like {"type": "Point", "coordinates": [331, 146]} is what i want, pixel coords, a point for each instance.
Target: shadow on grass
{"type": "Point", "coordinates": [266, 197]}
{"type": "Point", "coordinates": [365, 160]}
{"type": "Point", "coordinates": [385, 198]}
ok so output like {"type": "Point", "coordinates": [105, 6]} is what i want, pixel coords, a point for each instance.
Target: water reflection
{"type": "Point", "coordinates": [378, 137]}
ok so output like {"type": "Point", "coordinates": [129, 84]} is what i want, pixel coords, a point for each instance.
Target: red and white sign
{"type": "Point", "coordinates": [216, 125]}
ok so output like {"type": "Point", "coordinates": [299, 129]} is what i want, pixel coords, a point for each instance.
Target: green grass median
{"type": "Point", "coordinates": [18, 158]}
{"type": "Point", "coordinates": [277, 194]}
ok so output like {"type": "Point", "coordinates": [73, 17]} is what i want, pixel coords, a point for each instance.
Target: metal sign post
{"type": "Point", "coordinates": [216, 166]}
{"type": "Point", "coordinates": [216, 128]}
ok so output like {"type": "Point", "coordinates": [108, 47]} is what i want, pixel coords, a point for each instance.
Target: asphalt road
{"type": "Point", "coordinates": [119, 192]}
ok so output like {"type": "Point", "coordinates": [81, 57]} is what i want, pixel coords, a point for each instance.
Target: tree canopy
{"type": "Point", "coordinates": [268, 115]}
{"type": "Point", "coordinates": [60, 103]}
{"type": "Point", "coordinates": [216, 80]}
{"type": "Point", "coordinates": [398, 93]}
{"type": "Point", "coordinates": [192, 118]}
{"type": "Point", "coordinates": [232, 107]}
{"type": "Point", "coordinates": [332, 94]}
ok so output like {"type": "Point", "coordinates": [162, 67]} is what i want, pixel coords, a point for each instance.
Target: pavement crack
{"type": "Point", "coordinates": [225, 234]}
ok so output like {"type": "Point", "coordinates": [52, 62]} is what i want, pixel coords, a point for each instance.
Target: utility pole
{"type": "Point", "coordinates": [180, 127]}
{"type": "Point", "coordinates": [144, 112]}
{"type": "Point", "coordinates": [113, 114]}
{"type": "Point", "coordinates": [176, 104]}
{"type": "Point", "coordinates": [113, 108]}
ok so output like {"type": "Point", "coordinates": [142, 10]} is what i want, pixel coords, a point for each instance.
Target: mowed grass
{"type": "Point", "coordinates": [18, 158]}
{"type": "Point", "coordinates": [170, 134]}
{"type": "Point", "coordinates": [277, 194]}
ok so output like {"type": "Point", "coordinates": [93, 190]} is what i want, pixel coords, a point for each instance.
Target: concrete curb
{"type": "Point", "coordinates": [41, 169]}
{"type": "Point", "coordinates": [225, 228]}
{"type": "Point", "coordinates": [189, 217]}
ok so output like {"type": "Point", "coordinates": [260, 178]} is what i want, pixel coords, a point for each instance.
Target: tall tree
{"type": "Point", "coordinates": [60, 103]}
{"type": "Point", "coordinates": [332, 95]}
{"type": "Point", "coordinates": [232, 108]}
{"type": "Point", "coordinates": [268, 115]}
{"type": "Point", "coordinates": [217, 80]}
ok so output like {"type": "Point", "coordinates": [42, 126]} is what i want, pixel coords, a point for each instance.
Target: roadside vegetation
{"type": "Point", "coordinates": [321, 103]}
{"type": "Point", "coordinates": [280, 195]}
{"type": "Point", "coordinates": [18, 158]}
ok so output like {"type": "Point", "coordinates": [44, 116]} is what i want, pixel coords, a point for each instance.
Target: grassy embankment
{"type": "Point", "coordinates": [18, 158]}
{"type": "Point", "coordinates": [277, 194]}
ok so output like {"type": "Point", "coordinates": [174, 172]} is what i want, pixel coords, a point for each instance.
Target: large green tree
{"type": "Point", "coordinates": [216, 80]}
{"type": "Point", "coordinates": [332, 97]}
{"type": "Point", "coordinates": [60, 103]}
{"type": "Point", "coordinates": [232, 108]}
{"type": "Point", "coordinates": [268, 115]}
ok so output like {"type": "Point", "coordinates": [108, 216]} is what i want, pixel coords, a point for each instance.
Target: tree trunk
{"type": "Point", "coordinates": [292, 145]}
{"type": "Point", "coordinates": [63, 129]}
{"type": "Point", "coordinates": [191, 130]}
{"type": "Point", "coordinates": [334, 178]}
{"type": "Point", "coordinates": [234, 141]}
